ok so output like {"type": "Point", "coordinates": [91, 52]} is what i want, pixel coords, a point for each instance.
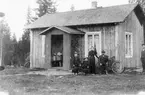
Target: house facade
{"type": "Point", "coordinates": [119, 30]}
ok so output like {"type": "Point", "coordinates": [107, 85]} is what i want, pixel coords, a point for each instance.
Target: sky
{"type": "Point", "coordinates": [16, 10]}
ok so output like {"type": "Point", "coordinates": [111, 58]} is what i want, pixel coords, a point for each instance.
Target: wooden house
{"type": "Point", "coordinates": [117, 29]}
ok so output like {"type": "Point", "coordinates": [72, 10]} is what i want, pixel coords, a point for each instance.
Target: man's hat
{"type": "Point", "coordinates": [103, 51]}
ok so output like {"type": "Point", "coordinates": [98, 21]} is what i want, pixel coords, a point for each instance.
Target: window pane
{"type": "Point", "coordinates": [129, 48]}
{"type": "Point", "coordinates": [43, 45]}
{"type": "Point", "coordinates": [96, 43]}
{"type": "Point", "coordinates": [90, 44]}
{"type": "Point", "coordinates": [126, 44]}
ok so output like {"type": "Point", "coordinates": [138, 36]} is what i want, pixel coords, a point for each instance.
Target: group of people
{"type": "Point", "coordinates": [97, 64]}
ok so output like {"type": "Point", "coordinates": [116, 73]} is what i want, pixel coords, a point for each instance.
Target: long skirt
{"type": "Point", "coordinates": [97, 65]}
{"type": "Point", "coordinates": [92, 65]}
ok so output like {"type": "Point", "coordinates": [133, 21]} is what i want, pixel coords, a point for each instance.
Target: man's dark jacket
{"type": "Point", "coordinates": [103, 59]}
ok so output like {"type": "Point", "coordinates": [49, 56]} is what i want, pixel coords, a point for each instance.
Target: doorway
{"type": "Point", "coordinates": [57, 50]}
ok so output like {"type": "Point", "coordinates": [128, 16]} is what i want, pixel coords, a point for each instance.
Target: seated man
{"type": "Point", "coordinates": [76, 63]}
{"type": "Point", "coordinates": [103, 59]}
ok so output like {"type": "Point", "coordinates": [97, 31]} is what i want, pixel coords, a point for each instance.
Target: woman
{"type": "Point", "coordinates": [91, 60]}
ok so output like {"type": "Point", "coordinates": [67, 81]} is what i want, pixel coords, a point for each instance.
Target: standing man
{"type": "Point", "coordinates": [143, 57]}
{"type": "Point", "coordinates": [103, 59]}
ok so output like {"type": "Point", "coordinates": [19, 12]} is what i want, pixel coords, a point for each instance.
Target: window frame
{"type": "Point", "coordinates": [86, 41]}
{"type": "Point", "coordinates": [131, 46]}
{"type": "Point", "coordinates": [43, 45]}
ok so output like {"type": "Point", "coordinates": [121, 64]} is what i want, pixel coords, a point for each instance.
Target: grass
{"type": "Point", "coordinates": [34, 84]}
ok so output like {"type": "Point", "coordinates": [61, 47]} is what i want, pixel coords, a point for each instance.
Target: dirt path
{"type": "Point", "coordinates": [51, 72]}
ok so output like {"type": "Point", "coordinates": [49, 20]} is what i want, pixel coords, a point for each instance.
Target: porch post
{"type": "Point", "coordinates": [116, 42]}
{"type": "Point", "coordinates": [86, 45]}
{"type": "Point", "coordinates": [31, 49]}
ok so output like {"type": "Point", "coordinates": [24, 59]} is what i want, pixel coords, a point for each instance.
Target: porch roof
{"type": "Point", "coordinates": [63, 28]}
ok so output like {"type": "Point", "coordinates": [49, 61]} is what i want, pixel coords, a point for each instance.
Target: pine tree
{"type": "Point", "coordinates": [132, 1]}
{"type": "Point", "coordinates": [30, 18]}
{"type": "Point", "coordinates": [6, 43]}
{"type": "Point", "coordinates": [45, 6]}
{"type": "Point", "coordinates": [24, 42]}
{"type": "Point", "coordinates": [141, 2]}
{"type": "Point", "coordinates": [72, 7]}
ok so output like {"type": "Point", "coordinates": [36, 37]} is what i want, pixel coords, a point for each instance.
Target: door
{"type": "Point", "coordinates": [57, 50]}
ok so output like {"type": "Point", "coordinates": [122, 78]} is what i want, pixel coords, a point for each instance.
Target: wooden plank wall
{"type": "Point", "coordinates": [109, 40]}
{"type": "Point", "coordinates": [107, 35]}
{"type": "Point", "coordinates": [132, 25]}
{"type": "Point", "coordinates": [36, 57]}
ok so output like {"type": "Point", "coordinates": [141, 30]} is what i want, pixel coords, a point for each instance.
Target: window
{"type": "Point", "coordinates": [43, 45]}
{"type": "Point", "coordinates": [128, 45]}
{"type": "Point", "coordinates": [92, 39]}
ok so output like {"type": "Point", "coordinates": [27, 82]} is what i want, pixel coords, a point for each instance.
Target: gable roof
{"type": "Point", "coordinates": [101, 15]}
{"type": "Point", "coordinates": [63, 28]}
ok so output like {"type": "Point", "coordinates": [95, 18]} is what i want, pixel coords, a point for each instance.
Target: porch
{"type": "Point", "coordinates": [60, 43]}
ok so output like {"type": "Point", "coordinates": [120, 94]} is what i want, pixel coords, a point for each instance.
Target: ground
{"type": "Point", "coordinates": [51, 82]}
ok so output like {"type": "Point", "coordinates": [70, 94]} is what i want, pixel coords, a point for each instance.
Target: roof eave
{"type": "Point", "coordinates": [78, 25]}
{"type": "Point", "coordinates": [44, 32]}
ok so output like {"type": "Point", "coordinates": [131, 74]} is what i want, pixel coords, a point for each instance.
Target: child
{"type": "Point", "coordinates": [76, 64]}
{"type": "Point", "coordinates": [85, 66]}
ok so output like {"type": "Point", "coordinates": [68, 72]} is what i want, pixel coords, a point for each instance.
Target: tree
{"type": "Point", "coordinates": [45, 6]}
{"type": "Point", "coordinates": [72, 8]}
{"type": "Point", "coordinates": [10, 49]}
{"type": "Point", "coordinates": [24, 46]}
{"type": "Point", "coordinates": [30, 18]}
{"type": "Point", "coordinates": [15, 59]}
{"type": "Point", "coordinates": [6, 44]}
{"type": "Point", "coordinates": [141, 2]}
{"type": "Point", "coordinates": [24, 42]}
{"type": "Point", "coordinates": [132, 1]}
{"type": "Point", "coordinates": [137, 1]}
